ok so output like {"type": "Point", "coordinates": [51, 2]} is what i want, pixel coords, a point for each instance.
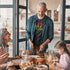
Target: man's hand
{"type": "Point", "coordinates": [31, 46]}
{"type": "Point", "coordinates": [42, 47]}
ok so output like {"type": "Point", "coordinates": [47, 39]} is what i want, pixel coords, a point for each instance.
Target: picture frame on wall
{"type": "Point", "coordinates": [56, 15]}
{"type": "Point", "coordinates": [49, 13]}
{"type": "Point", "coordinates": [69, 19]}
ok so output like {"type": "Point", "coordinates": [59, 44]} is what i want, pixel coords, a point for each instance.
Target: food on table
{"type": "Point", "coordinates": [41, 61]}
{"type": "Point", "coordinates": [49, 59]}
{"type": "Point", "coordinates": [17, 63]}
{"type": "Point", "coordinates": [40, 57]}
{"type": "Point", "coordinates": [31, 62]}
{"type": "Point", "coordinates": [24, 57]}
{"type": "Point", "coordinates": [41, 67]}
{"type": "Point", "coordinates": [23, 66]}
{"type": "Point", "coordinates": [34, 60]}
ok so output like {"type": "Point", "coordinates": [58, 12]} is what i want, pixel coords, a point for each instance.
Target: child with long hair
{"type": "Point", "coordinates": [64, 61]}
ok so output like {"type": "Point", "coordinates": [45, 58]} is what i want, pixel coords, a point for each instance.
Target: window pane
{"type": "Point", "coordinates": [22, 23]}
{"type": "Point", "coordinates": [6, 2]}
{"type": "Point", "coordinates": [22, 2]}
{"type": "Point", "coordinates": [6, 21]}
{"type": "Point", "coordinates": [67, 25]}
{"type": "Point", "coordinates": [67, 2]}
{"type": "Point", "coordinates": [22, 48]}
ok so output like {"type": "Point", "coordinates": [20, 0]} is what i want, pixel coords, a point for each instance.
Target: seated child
{"type": "Point", "coordinates": [64, 55]}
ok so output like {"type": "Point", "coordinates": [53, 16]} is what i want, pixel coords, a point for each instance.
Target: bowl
{"type": "Point", "coordinates": [42, 67]}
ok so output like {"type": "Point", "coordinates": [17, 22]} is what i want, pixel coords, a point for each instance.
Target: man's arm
{"type": "Point", "coordinates": [50, 35]}
{"type": "Point", "coordinates": [28, 28]}
{"type": "Point", "coordinates": [28, 32]}
{"type": "Point", "coordinates": [31, 44]}
{"type": "Point", "coordinates": [51, 31]}
{"type": "Point", "coordinates": [44, 44]}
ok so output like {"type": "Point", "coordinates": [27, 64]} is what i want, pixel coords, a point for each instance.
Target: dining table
{"type": "Point", "coordinates": [24, 59]}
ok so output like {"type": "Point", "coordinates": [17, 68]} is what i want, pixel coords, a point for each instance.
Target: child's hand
{"type": "Point", "coordinates": [56, 59]}
{"type": "Point", "coordinates": [54, 63]}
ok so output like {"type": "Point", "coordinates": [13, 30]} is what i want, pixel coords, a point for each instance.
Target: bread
{"type": "Point", "coordinates": [41, 61]}
{"type": "Point", "coordinates": [32, 59]}
{"type": "Point", "coordinates": [17, 63]}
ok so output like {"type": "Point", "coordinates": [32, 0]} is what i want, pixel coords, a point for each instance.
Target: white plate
{"type": "Point", "coordinates": [35, 56]}
{"type": "Point", "coordinates": [19, 60]}
{"type": "Point", "coordinates": [45, 67]}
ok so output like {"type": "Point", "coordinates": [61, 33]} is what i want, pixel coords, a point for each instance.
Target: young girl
{"type": "Point", "coordinates": [64, 61]}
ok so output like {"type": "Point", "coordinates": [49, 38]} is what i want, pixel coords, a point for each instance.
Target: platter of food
{"type": "Point", "coordinates": [42, 67]}
{"type": "Point", "coordinates": [30, 61]}
{"type": "Point", "coordinates": [33, 56]}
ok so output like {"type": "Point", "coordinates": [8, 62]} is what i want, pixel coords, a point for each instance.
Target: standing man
{"type": "Point", "coordinates": [39, 31]}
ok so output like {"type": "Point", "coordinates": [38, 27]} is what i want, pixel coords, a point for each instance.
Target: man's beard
{"type": "Point", "coordinates": [41, 17]}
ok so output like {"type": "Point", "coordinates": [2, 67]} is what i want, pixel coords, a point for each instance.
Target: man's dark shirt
{"type": "Point", "coordinates": [38, 32]}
